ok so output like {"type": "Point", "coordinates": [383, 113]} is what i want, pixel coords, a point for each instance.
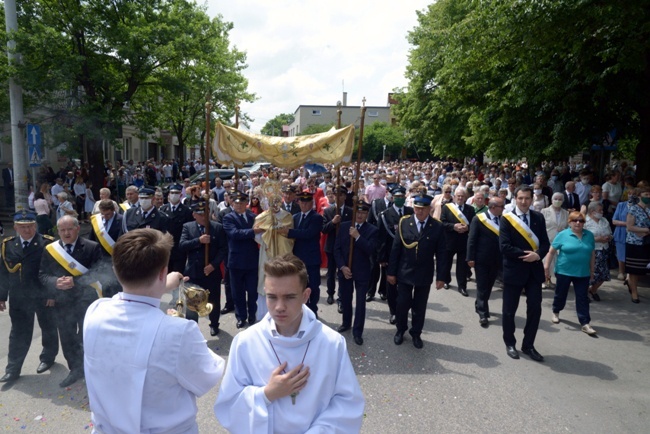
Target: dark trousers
{"type": "Point", "coordinates": [581, 288]}
{"type": "Point", "coordinates": [230, 302]}
{"type": "Point", "coordinates": [377, 275]}
{"type": "Point", "coordinates": [213, 284]}
{"type": "Point", "coordinates": [511, 295]}
{"type": "Point", "coordinates": [360, 288]}
{"type": "Point", "coordinates": [331, 274]}
{"type": "Point", "coordinates": [22, 314]}
{"type": "Point", "coordinates": [413, 298]}
{"type": "Point", "coordinates": [9, 196]}
{"type": "Point", "coordinates": [391, 296]}
{"type": "Point", "coordinates": [70, 322]}
{"type": "Point", "coordinates": [243, 284]}
{"type": "Point", "coordinates": [313, 272]}
{"type": "Point", "coordinates": [462, 269]}
{"type": "Point", "coordinates": [486, 275]}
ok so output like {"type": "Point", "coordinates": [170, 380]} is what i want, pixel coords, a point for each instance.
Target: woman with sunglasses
{"type": "Point", "coordinates": [574, 247]}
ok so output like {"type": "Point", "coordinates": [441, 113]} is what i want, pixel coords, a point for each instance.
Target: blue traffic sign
{"type": "Point", "coordinates": [35, 156]}
{"type": "Point", "coordinates": [33, 134]}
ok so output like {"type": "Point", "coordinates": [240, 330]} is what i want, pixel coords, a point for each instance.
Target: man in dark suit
{"type": "Point", "coordinates": [21, 259]}
{"type": "Point", "coordinates": [571, 198]}
{"type": "Point", "coordinates": [289, 199]}
{"type": "Point", "coordinates": [456, 217]}
{"type": "Point", "coordinates": [68, 272]}
{"type": "Point", "coordinates": [307, 225]}
{"type": "Point", "coordinates": [106, 229]}
{"type": "Point", "coordinates": [388, 225]}
{"type": "Point", "coordinates": [331, 221]}
{"type": "Point", "coordinates": [192, 243]}
{"type": "Point", "coordinates": [484, 256]}
{"type": "Point", "coordinates": [178, 214]}
{"type": "Point", "coordinates": [355, 278]}
{"type": "Point", "coordinates": [243, 258]}
{"type": "Point", "coordinates": [378, 274]}
{"type": "Point", "coordinates": [146, 215]}
{"type": "Point", "coordinates": [230, 302]}
{"type": "Point", "coordinates": [522, 269]}
{"type": "Point", "coordinates": [411, 266]}
{"type": "Point", "coordinates": [8, 180]}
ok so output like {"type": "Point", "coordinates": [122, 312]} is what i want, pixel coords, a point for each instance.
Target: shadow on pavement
{"type": "Point", "coordinates": [585, 368]}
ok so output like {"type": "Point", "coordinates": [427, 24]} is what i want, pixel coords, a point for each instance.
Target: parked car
{"type": "Point", "coordinates": [222, 173]}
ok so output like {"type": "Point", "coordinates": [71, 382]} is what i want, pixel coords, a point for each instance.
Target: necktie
{"type": "Point", "coordinates": [421, 226]}
{"type": "Point", "coordinates": [68, 248]}
{"type": "Point", "coordinates": [201, 229]}
{"type": "Point", "coordinates": [25, 244]}
{"type": "Point", "coordinates": [401, 214]}
{"type": "Point", "coordinates": [243, 217]}
{"type": "Point", "coordinates": [460, 208]}
{"type": "Point", "coordinates": [358, 226]}
{"type": "Point", "coordinates": [302, 219]}
{"type": "Point", "coordinates": [570, 200]}
{"type": "Point", "coordinates": [496, 220]}
{"type": "Point", "coordinates": [524, 218]}
{"type": "Point", "coordinates": [173, 209]}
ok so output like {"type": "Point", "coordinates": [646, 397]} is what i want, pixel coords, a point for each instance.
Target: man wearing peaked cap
{"type": "Point", "coordinates": [288, 199]}
{"type": "Point", "coordinates": [387, 224]}
{"type": "Point", "coordinates": [146, 215]}
{"type": "Point", "coordinates": [411, 267]}
{"type": "Point", "coordinates": [331, 221]}
{"type": "Point", "coordinates": [192, 243]}
{"type": "Point", "coordinates": [377, 206]}
{"type": "Point", "coordinates": [21, 259]}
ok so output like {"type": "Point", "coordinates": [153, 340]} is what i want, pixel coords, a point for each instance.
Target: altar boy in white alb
{"type": "Point", "coordinates": [144, 369]}
{"type": "Point", "coordinates": [289, 373]}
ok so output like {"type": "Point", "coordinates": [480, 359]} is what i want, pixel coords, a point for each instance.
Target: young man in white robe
{"type": "Point", "coordinates": [144, 369]}
{"type": "Point", "coordinates": [289, 373]}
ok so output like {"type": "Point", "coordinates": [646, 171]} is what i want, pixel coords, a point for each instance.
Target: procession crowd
{"type": "Point", "coordinates": [391, 230]}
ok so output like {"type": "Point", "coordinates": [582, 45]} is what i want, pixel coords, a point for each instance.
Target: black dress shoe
{"type": "Point", "coordinates": [393, 319]}
{"type": "Point", "coordinates": [512, 352]}
{"type": "Point", "coordinates": [463, 292]}
{"type": "Point", "coordinates": [340, 306]}
{"type": "Point", "coordinates": [73, 376]}
{"type": "Point", "coordinates": [417, 342]}
{"type": "Point", "coordinates": [226, 310]}
{"type": "Point", "coordinates": [484, 322]}
{"type": "Point", "coordinates": [446, 286]}
{"type": "Point", "coordinates": [399, 338]}
{"type": "Point", "coordinates": [241, 324]}
{"type": "Point", "coordinates": [343, 328]}
{"type": "Point", "coordinates": [383, 297]}
{"type": "Point", "coordinates": [214, 331]}
{"type": "Point", "coordinates": [358, 340]}
{"type": "Point", "coordinates": [330, 299]}
{"type": "Point", "coordinates": [42, 367]}
{"type": "Point", "coordinates": [8, 377]}
{"type": "Point", "coordinates": [533, 354]}
{"type": "Point", "coordinates": [370, 298]}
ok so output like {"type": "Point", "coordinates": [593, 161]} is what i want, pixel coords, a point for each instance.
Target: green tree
{"type": "Point", "coordinates": [315, 129]}
{"type": "Point", "coordinates": [541, 79]}
{"type": "Point", "coordinates": [380, 134]}
{"type": "Point", "coordinates": [102, 54]}
{"type": "Point", "coordinates": [274, 126]}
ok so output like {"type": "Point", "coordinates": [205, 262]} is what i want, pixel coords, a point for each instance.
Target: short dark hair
{"type": "Point", "coordinates": [524, 188]}
{"type": "Point", "coordinates": [139, 255]}
{"type": "Point", "coordinates": [106, 205]}
{"type": "Point", "coordinates": [287, 265]}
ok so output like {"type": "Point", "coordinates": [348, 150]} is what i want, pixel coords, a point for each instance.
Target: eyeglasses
{"type": "Point", "coordinates": [578, 221]}
{"type": "Point", "coordinates": [447, 192]}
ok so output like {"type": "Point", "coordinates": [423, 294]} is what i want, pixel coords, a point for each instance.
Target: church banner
{"type": "Point", "coordinates": [233, 146]}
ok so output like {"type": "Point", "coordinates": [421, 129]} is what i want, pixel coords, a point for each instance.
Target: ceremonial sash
{"type": "Point", "coordinates": [102, 234]}
{"type": "Point", "coordinates": [457, 213]}
{"type": "Point", "coordinates": [71, 265]}
{"type": "Point", "coordinates": [388, 229]}
{"type": "Point", "coordinates": [488, 222]}
{"type": "Point", "coordinates": [523, 229]}
{"type": "Point", "coordinates": [125, 205]}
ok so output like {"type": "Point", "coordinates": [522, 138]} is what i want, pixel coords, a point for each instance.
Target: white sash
{"type": "Point", "coordinates": [65, 260]}
{"type": "Point", "coordinates": [457, 213]}
{"type": "Point", "coordinates": [523, 229]}
{"type": "Point", "coordinates": [488, 222]}
{"type": "Point", "coordinates": [102, 234]}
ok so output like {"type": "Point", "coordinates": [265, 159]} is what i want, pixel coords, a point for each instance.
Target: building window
{"type": "Point", "coordinates": [315, 112]}
{"type": "Point", "coordinates": [373, 113]}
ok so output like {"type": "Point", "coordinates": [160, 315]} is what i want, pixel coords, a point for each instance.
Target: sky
{"type": "Point", "coordinates": [307, 52]}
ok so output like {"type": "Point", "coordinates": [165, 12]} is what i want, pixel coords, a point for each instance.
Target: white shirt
{"type": "Point", "coordinates": [179, 366]}
{"type": "Point", "coordinates": [331, 401]}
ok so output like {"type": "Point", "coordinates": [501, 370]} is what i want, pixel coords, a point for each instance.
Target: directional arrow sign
{"type": "Point", "coordinates": [33, 134]}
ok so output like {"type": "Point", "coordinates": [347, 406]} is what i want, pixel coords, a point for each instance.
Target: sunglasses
{"type": "Point", "coordinates": [578, 221]}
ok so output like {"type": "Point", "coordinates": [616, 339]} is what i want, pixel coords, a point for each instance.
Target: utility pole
{"type": "Point", "coordinates": [17, 124]}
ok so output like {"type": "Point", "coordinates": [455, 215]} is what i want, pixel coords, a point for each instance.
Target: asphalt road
{"type": "Point", "coordinates": [461, 382]}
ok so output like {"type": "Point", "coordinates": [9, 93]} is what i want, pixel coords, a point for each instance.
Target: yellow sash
{"type": "Point", "coordinates": [64, 259]}
{"type": "Point", "coordinates": [125, 206]}
{"type": "Point", "coordinates": [523, 229]}
{"type": "Point", "coordinates": [102, 234]}
{"type": "Point", "coordinates": [489, 223]}
{"type": "Point", "coordinates": [457, 213]}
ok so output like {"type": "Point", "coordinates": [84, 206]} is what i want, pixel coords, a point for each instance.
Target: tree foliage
{"type": "Point", "coordinates": [274, 126]}
{"type": "Point", "coordinates": [95, 58]}
{"type": "Point", "coordinates": [534, 78]}
{"type": "Point", "coordinates": [380, 134]}
{"type": "Point", "coordinates": [315, 129]}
